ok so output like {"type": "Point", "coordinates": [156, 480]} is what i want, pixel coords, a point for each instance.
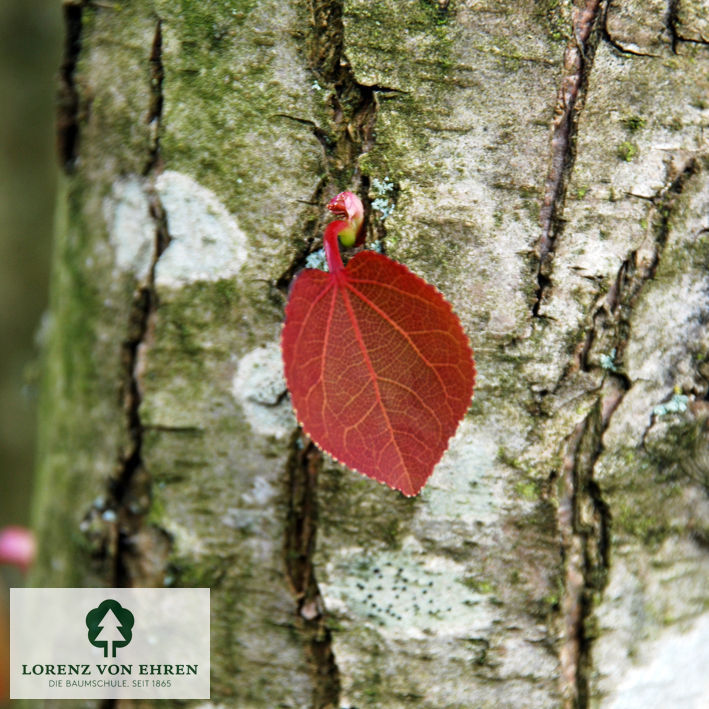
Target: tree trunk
{"type": "Point", "coordinates": [544, 165]}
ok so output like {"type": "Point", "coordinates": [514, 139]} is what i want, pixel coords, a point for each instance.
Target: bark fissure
{"type": "Point", "coordinates": [320, 135]}
{"type": "Point", "coordinates": [584, 524]}
{"type": "Point", "coordinates": [352, 105]}
{"type": "Point", "coordinates": [352, 108]}
{"type": "Point", "coordinates": [157, 75]}
{"type": "Point", "coordinates": [578, 60]}
{"type": "Point", "coordinates": [608, 37]}
{"type": "Point", "coordinates": [583, 515]}
{"type": "Point", "coordinates": [140, 551]}
{"type": "Point", "coordinates": [610, 320]}
{"type": "Point", "coordinates": [690, 40]}
{"type": "Point", "coordinates": [68, 94]}
{"type": "Point", "coordinates": [303, 467]}
{"type": "Point", "coordinates": [664, 204]}
{"type": "Point", "coordinates": [671, 22]}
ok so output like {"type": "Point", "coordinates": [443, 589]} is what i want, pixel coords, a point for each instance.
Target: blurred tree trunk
{"type": "Point", "coordinates": [29, 51]}
{"type": "Point", "coordinates": [544, 164]}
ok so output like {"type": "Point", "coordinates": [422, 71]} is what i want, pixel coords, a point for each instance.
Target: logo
{"type": "Point", "coordinates": [109, 643]}
{"type": "Point", "coordinates": [110, 626]}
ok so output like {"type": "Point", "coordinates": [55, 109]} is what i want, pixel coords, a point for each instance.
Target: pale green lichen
{"type": "Point", "coordinates": [382, 187]}
{"type": "Point", "coordinates": [608, 361]}
{"type": "Point", "coordinates": [316, 259]}
{"type": "Point", "coordinates": [384, 200]}
{"type": "Point", "coordinates": [383, 206]}
{"type": "Point", "coordinates": [676, 404]}
{"type": "Point", "coordinates": [254, 94]}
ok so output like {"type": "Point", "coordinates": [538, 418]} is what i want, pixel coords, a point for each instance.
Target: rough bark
{"type": "Point", "coordinates": [548, 168]}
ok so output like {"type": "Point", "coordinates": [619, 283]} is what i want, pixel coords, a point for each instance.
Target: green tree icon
{"type": "Point", "coordinates": [110, 626]}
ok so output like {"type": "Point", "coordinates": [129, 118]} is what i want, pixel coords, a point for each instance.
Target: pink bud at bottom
{"type": "Point", "coordinates": [17, 547]}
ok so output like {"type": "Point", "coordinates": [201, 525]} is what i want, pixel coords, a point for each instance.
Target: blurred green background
{"type": "Point", "coordinates": [30, 54]}
{"type": "Point", "coordinates": [30, 51]}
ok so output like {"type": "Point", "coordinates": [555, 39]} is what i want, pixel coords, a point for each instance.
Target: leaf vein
{"type": "Point", "coordinates": [373, 375]}
{"type": "Point", "coordinates": [406, 336]}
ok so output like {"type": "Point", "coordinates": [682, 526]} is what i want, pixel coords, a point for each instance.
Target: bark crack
{"type": "Point", "coordinates": [154, 118]}
{"type": "Point", "coordinates": [690, 40]}
{"type": "Point", "coordinates": [350, 133]}
{"type": "Point", "coordinates": [578, 60]}
{"type": "Point", "coordinates": [67, 125]}
{"type": "Point", "coordinates": [321, 135]}
{"type": "Point", "coordinates": [671, 21]}
{"type": "Point", "coordinates": [611, 318]}
{"type": "Point", "coordinates": [140, 551]}
{"type": "Point", "coordinates": [583, 515]}
{"type": "Point", "coordinates": [304, 465]}
{"type": "Point", "coordinates": [584, 524]}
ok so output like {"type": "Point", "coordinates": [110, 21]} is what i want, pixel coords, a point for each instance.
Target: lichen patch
{"type": "Point", "coordinates": [406, 594]}
{"type": "Point", "coordinates": [206, 241]}
{"type": "Point", "coordinates": [460, 487]}
{"type": "Point", "coordinates": [260, 388]}
{"type": "Point", "coordinates": [131, 230]}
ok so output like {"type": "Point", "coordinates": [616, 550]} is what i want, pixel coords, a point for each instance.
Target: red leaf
{"type": "Point", "coordinates": [378, 366]}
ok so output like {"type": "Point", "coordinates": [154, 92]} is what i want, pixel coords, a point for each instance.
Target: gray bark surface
{"type": "Point", "coordinates": [544, 165]}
